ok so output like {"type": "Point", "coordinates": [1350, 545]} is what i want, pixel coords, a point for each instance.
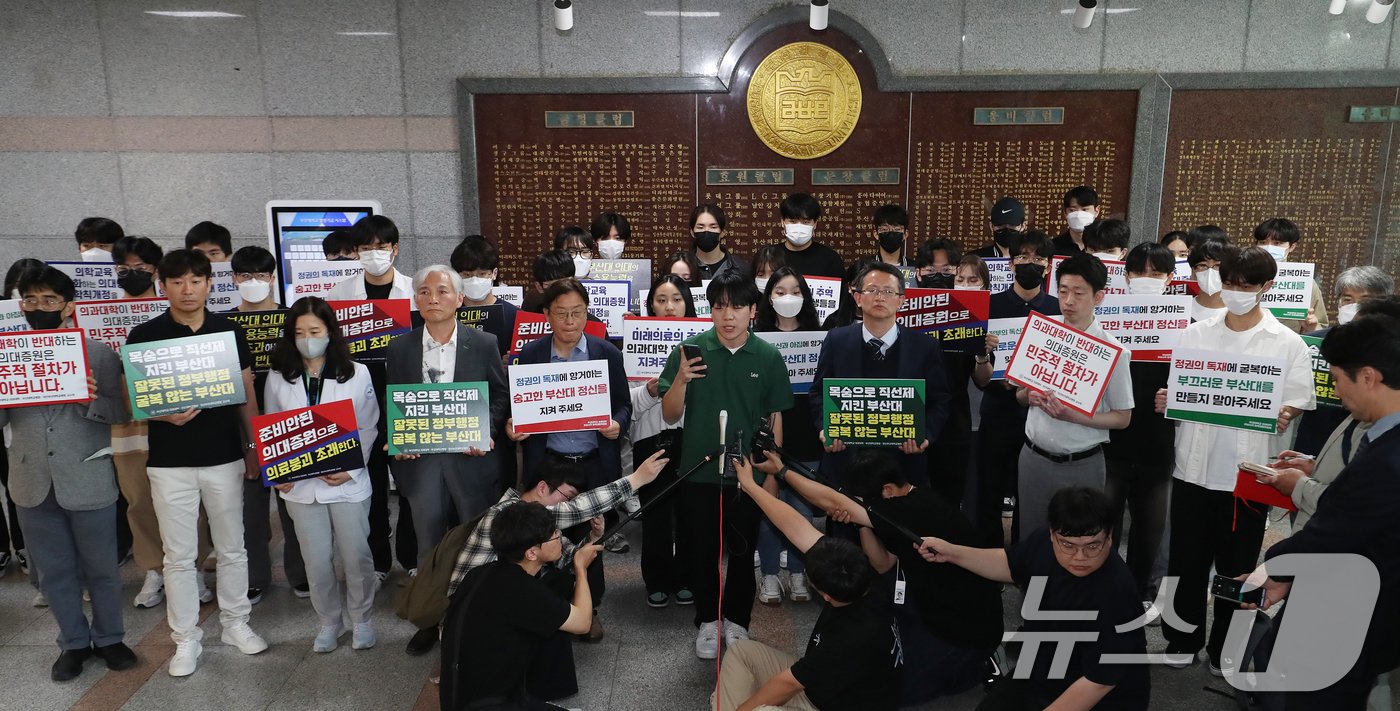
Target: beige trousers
{"type": "Point", "coordinates": [747, 666]}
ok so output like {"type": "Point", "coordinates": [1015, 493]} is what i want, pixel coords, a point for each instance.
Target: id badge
{"type": "Point", "coordinates": [899, 592]}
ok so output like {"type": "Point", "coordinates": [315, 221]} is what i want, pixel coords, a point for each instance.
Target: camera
{"type": "Point", "coordinates": [763, 441]}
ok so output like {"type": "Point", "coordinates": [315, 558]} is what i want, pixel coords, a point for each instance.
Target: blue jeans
{"type": "Point", "coordinates": [77, 550]}
{"type": "Point", "coordinates": [770, 541]}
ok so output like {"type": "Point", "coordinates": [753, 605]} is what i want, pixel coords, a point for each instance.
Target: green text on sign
{"type": "Point", "coordinates": [438, 418]}
{"type": "Point", "coordinates": [873, 412]}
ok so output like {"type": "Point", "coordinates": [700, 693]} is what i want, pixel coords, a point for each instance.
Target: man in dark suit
{"type": "Point", "coordinates": [596, 454]}
{"type": "Point", "coordinates": [878, 347]}
{"type": "Point", "coordinates": [441, 486]}
{"type": "Point", "coordinates": [1359, 511]}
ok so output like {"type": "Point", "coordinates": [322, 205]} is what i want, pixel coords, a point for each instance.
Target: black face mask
{"type": "Point", "coordinates": [936, 281]}
{"type": "Point", "coordinates": [136, 283]}
{"type": "Point", "coordinates": [44, 320]}
{"type": "Point", "coordinates": [705, 241]}
{"type": "Point", "coordinates": [1003, 237]}
{"type": "Point", "coordinates": [891, 242]}
{"type": "Point", "coordinates": [1030, 276]}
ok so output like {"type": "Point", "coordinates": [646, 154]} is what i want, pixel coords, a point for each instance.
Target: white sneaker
{"type": "Point", "coordinates": [328, 638]}
{"type": "Point", "coordinates": [770, 592]}
{"type": "Point", "coordinates": [797, 588]}
{"type": "Point", "coordinates": [244, 638]}
{"type": "Point", "coordinates": [782, 560]}
{"type": "Point", "coordinates": [1177, 660]}
{"type": "Point", "coordinates": [707, 641]}
{"type": "Point", "coordinates": [152, 591]}
{"type": "Point", "coordinates": [379, 577]}
{"type": "Point", "coordinates": [734, 632]}
{"type": "Point", "coordinates": [755, 559]}
{"type": "Point", "coordinates": [186, 658]}
{"type": "Point", "coordinates": [205, 594]}
{"type": "Point", "coordinates": [363, 636]}
{"type": "Point", "coordinates": [39, 600]}
{"type": "Point", "coordinates": [1154, 614]}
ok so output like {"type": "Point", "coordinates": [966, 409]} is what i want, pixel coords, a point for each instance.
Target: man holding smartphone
{"type": "Point", "coordinates": [746, 378]}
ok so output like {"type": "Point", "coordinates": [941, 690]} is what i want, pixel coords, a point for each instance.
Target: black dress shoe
{"type": "Point", "coordinates": [422, 641]}
{"type": "Point", "coordinates": [118, 656]}
{"type": "Point", "coordinates": [70, 664]}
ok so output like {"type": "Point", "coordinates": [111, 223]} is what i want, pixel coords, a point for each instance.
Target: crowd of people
{"type": "Point", "coordinates": [906, 547]}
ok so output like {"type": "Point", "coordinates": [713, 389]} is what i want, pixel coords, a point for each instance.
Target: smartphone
{"type": "Point", "coordinates": [1231, 589]}
{"type": "Point", "coordinates": [1257, 469]}
{"type": "Point", "coordinates": [691, 351]}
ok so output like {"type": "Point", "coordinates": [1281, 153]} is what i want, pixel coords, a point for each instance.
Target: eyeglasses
{"type": "Point", "coordinates": [125, 270]}
{"type": "Point", "coordinates": [566, 316]}
{"type": "Point", "coordinates": [260, 276]}
{"type": "Point", "coordinates": [47, 302]}
{"type": "Point", "coordinates": [1028, 259]}
{"type": "Point", "coordinates": [580, 254]}
{"type": "Point", "coordinates": [556, 537]}
{"type": "Point", "coordinates": [882, 293]}
{"type": "Point", "coordinates": [945, 269]}
{"type": "Point", "coordinates": [1089, 549]}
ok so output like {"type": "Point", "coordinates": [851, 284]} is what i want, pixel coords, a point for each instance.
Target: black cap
{"type": "Point", "coordinates": [1009, 212]}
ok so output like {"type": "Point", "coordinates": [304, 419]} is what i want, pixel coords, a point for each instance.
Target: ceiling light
{"type": "Point", "coordinates": [563, 15]}
{"type": "Point", "coordinates": [1084, 14]}
{"type": "Point", "coordinates": [365, 34]}
{"type": "Point", "coordinates": [818, 18]}
{"type": "Point", "coordinates": [680, 13]}
{"type": "Point", "coordinates": [1378, 11]}
{"type": "Point", "coordinates": [188, 14]}
{"type": "Point", "coordinates": [1337, 7]}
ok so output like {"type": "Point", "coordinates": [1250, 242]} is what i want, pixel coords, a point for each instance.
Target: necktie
{"type": "Point", "coordinates": [876, 347]}
{"type": "Point", "coordinates": [1365, 442]}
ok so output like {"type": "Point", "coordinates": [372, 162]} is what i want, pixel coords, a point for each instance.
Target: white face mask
{"type": "Point", "coordinates": [476, 288]}
{"type": "Point", "coordinates": [966, 287]}
{"type": "Point", "coordinates": [787, 305]}
{"type": "Point", "coordinates": [1079, 219]}
{"type": "Point", "coordinates": [377, 262]}
{"type": "Point", "coordinates": [254, 291]}
{"type": "Point", "coordinates": [1240, 302]}
{"type": "Point", "coordinates": [761, 283]}
{"type": "Point", "coordinates": [95, 255]}
{"type": "Point", "coordinates": [1209, 281]}
{"type": "Point", "coordinates": [1346, 312]}
{"type": "Point", "coordinates": [1107, 256]}
{"type": "Point", "coordinates": [1147, 286]}
{"type": "Point", "coordinates": [611, 248]}
{"type": "Point", "coordinates": [581, 266]}
{"type": "Point", "coordinates": [1278, 252]}
{"type": "Point", "coordinates": [798, 235]}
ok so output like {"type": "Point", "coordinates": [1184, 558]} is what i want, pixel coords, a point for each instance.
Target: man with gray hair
{"type": "Point", "coordinates": [444, 351]}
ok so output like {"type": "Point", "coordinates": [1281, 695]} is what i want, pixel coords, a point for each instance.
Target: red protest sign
{"type": "Point", "coordinates": [957, 317]}
{"type": "Point", "coordinates": [43, 368]}
{"type": "Point", "coordinates": [111, 321]}
{"type": "Point", "coordinates": [530, 326]}
{"type": "Point", "coordinates": [308, 442]}
{"type": "Point", "coordinates": [369, 325]}
{"type": "Point", "coordinates": [1053, 357]}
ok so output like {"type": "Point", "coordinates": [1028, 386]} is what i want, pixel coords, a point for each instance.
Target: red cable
{"type": "Point", "coordinates": [719, 612]}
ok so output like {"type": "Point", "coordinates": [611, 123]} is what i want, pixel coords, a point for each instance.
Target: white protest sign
{"type": "Point", "coordinates": [1117, 276]}
{"type": "Point", "coordinates": [1149, 326]}
{"type": "Point", "coordinates": [608, 302]}
{"type": "Point", "coordinates": [43, 368]}
{"type": "Point", "coordinates": [111, 321]}
{"type": "Point", "coordinates": [648, 341]}
{"type": "Point", "coordinates": [1242, 392]}
{"type": "Point", "coordinates": [223, 293]}
{"type": "Point", "coordinates": [317, 277]}
{"type": "Point", "coordinates": [1000, 273]}
{"type": "Point", "coordinates": [1053, 357]}
{"type": "Point", "coordinates": [826, 295]}
{"type": "Point", "coordinates": [12, 317]}
{"type": "Point", "coordinates": [1291, 294]}
{"type": "Point", "coordinates": [1182, 271]}
{"type": "Point", "coordinates": [95, 281]}
{"type": "Point", "coordinates": [513, 295]}
{"type": "Point", "coordinates": [560, 397]}
{"type": "Point", "coordinates": [636, 272]}
{"type": "Point", "coordinates": [800, 351]}
{"type": "Point", "coordinates": [1007, 331]}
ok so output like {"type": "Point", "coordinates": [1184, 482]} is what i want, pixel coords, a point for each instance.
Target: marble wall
{"type": "Point", "coordinates": [160, 121]}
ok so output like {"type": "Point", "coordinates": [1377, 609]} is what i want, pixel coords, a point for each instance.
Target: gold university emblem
{"type": "Point", "coordinates": [804, 100]}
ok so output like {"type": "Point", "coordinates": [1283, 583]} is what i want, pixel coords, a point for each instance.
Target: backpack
{"type": "Point", "coordinates": [424, 601]}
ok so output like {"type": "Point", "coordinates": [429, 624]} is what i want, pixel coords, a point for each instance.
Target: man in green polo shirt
{"type": "Point", "coordinates": [747, 378]}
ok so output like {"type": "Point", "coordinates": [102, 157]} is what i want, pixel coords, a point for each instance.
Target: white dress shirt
{"type": "Point", "coordinates": [1060, 437]}
{"type": "Point", "coordinates": [439, 359]}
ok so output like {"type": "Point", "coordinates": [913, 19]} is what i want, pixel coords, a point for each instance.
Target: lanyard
{"type": "Point", "coordinates": [313, 389]}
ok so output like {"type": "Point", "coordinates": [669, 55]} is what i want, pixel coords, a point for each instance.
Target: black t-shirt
{"type": "Point", "coordinates": [958, 607]}
{"type": "Point", "coordinates": [507, 617]}
{"type": "Point", "coordinates": [999, 404]}
{"type": "Point", "coordinates": [957, 368]}
{"type": "Point", "coordinates": [378, 291]}
{"type": "Point", "coordinates": [1111, 594]}
{"type": "Point", "coordinates": [1148, 434]}
{"type": "Point", "coordinates": [853, 658]}
{"type": "Point", "coordinates": [214, 436]}
{"type": "Point", "coordinates": [1065, 246]}
{"type": "Point", "coordinates": [731, 262]}
{"type": "Point", "coordinates": [816, 260]}
{"type": "Point", "coordinates": [800, 440]}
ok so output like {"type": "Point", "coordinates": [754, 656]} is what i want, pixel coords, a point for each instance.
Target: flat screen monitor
{"type": "Point", "coordinates": [295, 229]}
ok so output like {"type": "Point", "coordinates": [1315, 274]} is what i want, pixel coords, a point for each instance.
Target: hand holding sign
{"type": "Point", "coordinates": [178, 418]}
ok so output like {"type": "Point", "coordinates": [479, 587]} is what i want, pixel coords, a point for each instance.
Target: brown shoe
{"type": "Point", "coordinates": [595, 631]}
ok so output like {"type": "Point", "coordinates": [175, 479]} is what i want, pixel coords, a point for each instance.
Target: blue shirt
{"type": "Point", "coordinates": [573, 443]}
{"type": "Point", "coordinates": [1382, 426]}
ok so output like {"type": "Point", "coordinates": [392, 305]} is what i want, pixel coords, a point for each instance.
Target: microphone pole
{"type": "Point", "coordinates": [802, 469]}
{"type": "Point", "coordinates": [643, 509]}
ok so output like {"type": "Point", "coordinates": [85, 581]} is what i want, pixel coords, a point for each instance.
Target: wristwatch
{"type": "Point", "coordinates": [990, 358]}
{"type": "Point", "coordinates": [782, 473]}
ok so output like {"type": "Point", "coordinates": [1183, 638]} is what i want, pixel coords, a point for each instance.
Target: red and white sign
{"type": "Point", "coordinates": [111, 321]}
{"type": "Point", "coordinates": [560, 397]}
{"type": "Point", "coordinates": [647, 341]}
{"type": "Point", "coordinates": [530, 326]}
{"type": "Point", "coordinates": [1052, 357]}
{"type": "Point", "coordinates": [317, 277]}
{"type": "Point", "coordinates": [826, 295]}
{"type": "Point", "coordinates": [1117, 276]}
{"type": "Point", "coordinates": [369, 325]}
{"type": "Point", "coordinates": [43, 368]}
{"type": "Point", "coordinates": [1149, 326]}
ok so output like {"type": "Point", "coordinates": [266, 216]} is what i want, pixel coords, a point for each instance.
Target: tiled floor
{"type": "Point", "coordinates": [644, 662]}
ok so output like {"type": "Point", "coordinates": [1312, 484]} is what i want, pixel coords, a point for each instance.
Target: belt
{"type": "Point", "coordinates": [573, 457]}
{"type": "Point", "coordinates": [1065, 458]}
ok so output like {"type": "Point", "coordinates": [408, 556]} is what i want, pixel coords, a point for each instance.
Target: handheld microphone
{"type": "Point", "coordinates": [723, 429]}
